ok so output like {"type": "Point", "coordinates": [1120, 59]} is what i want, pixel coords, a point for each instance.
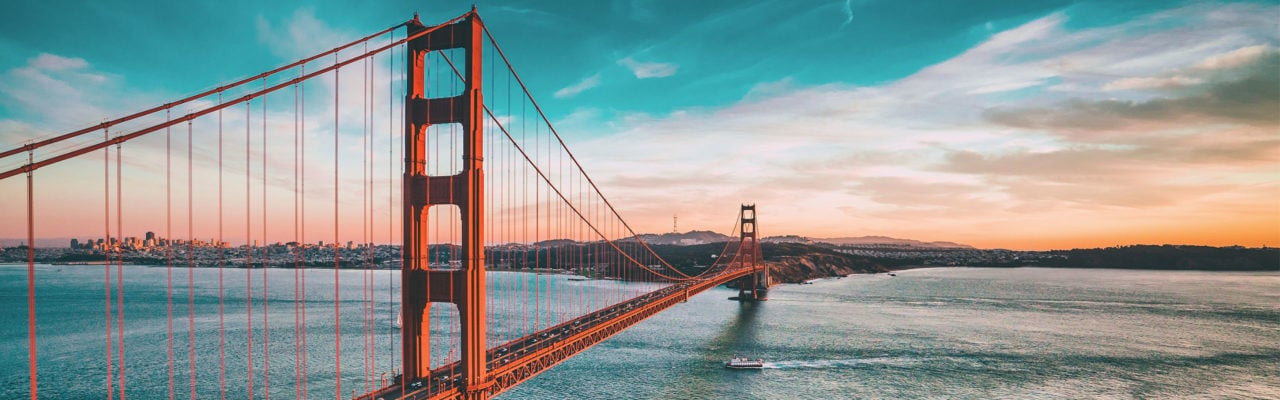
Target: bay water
{"type": "Point", "coordinates": [926, 333]}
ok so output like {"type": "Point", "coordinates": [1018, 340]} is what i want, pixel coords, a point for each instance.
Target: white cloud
{"type": "Point", "coordinates": [645, 70]}
{"type": "Point", "coordinates": [637, 10]}
{"type": "Point", "coordinates": [525, 14]}
{"type": "Point", "coordinates": [806, 154]}
{"type": "Point", "coordinates": [770, 89]}
{"type": "Point", "coordinates": [301, 35]}
{"type": "Point", "coordinates": [57, 63]}
{"type": "Point", "coordinates": [1150, 82]}
{"type": "Point", "coordinates": [578, 119]}
{"type": "Point", "coordinates": [1236, 58]}
{"type": "Point", "coordinates": [835, 159]}
{"type": "Point", "coordinates": [582, 86]}
{"type": "Point", "coordinates": [80, 91]}
{"type": "Point", "coordinates": [848, 13]}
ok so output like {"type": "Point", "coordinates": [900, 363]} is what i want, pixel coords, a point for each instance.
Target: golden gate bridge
{"type": "Point", "coordinates": [486, 182]}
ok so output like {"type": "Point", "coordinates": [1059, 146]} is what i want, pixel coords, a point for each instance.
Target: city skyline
{"type": "Point", "coordinates": [995, 124]}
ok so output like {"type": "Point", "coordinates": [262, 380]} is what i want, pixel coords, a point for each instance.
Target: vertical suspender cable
{"type": "Point", "coordinates": [248, 244]}
{"type": "Point", "coordinates": [222, 333]}
{"type": "Point", "coordinates": [391, 93]}
{"type": "Point", "coordinates": [368, 249]}
{"type": "Point", "coordinates": [168, 232]}
{"type": "Point", "coordinates": [297, 248]}
{"type": "Point", "coordinates": [524, 222]}
{"type": "Point", "coordinates": [31, 276]}
{"type": "Point", "coordinates": [266, 355]}
{"type": "Point", "coordinates": [560, 220]}
{"type": "Point", "coordinates": [364, 224]}
{"type": "Point", "coordinates": [302, 222]}
{"type": "Point", "coordinates": [337, 340]}
{"type": "Point", "coordinates": [537, 234]}
{"type": "Point", "coordinates": [120, 268]}
{"type": "Point", "coordinates": [512, 222]}
{"type": "Point", "coordinates": [370, 240]}
{"type": "Point", "coordinates": [106, 250]}
{"type": "Point", "coordinates": [404, 94]}
{"type": "Point", "coordinates": [191, 279]}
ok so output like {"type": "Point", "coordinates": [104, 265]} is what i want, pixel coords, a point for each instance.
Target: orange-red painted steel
{"type": "Point", "coordinates": [507, 372]}
{"type": "Point", "coordinates": [465, 288]}
{"type": "Point", "coordinates": [480, 372]}
{"type": "Point", "coordinates": [754, 287]}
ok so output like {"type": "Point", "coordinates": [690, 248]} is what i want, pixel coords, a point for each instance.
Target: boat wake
{"type": "Point", "coordinates": [846, 363]}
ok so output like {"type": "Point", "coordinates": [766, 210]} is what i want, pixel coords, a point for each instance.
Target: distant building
{"type": "Point", "coordinates": [75, 244]}
{"type": "Point", "coordinates": [150, 236]}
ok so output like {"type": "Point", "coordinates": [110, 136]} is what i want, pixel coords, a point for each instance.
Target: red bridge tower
{"type": "Point", "coordinates": [423, 285]}
{"type": "Point", "coordinates": [754, 286]}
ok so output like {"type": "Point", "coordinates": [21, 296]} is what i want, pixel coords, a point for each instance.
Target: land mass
{"type": "Point", "coordinates": [794, 263]}
{"type": "Point", "coordinates": [792, 259]}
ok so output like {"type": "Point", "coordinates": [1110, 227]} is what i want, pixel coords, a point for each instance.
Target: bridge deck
{"type": "Point", "coordinates": [518, 360]}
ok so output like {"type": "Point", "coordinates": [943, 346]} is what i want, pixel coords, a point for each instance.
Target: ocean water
{"type": "Point", "coordinates": [928, 333]}
{"type": "Point", "coordinates": [967, 333]}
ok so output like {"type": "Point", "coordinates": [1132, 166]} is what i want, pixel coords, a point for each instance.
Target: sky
{"type": "Point", "coordinates": [998, 124]}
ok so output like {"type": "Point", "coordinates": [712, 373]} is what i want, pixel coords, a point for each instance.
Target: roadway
{"type": "Point", "coordinates": [520, 359]}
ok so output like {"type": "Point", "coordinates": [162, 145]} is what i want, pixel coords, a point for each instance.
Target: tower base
{"type": "Point", "coordinates": [751, 295]}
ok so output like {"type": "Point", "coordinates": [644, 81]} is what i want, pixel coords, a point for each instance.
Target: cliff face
{"type": "Point", "coordinates": [795, 263]}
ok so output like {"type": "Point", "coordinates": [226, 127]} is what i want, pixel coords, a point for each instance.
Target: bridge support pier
{"type": "Point", "coordinates": [422, 285]}
{"type": "Point", "coordinates": [755, 286]}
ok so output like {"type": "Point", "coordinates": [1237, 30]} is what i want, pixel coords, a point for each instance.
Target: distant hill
{"type": "Point", "coordinates": [556, 242]}
{"type": "Point", "coordinates": [703, 237]}
{"type": "Point", "coordinates": [786, 239]}
{"type": "Point", "coordinates": [790, 262]}
{"type": "Point", "coordinates": [685, 239]}
{"type": "Point", "coordinates": [1172, 257]}
{"type": "Point", "coordinates": [888, 241]}
{"type": "Point", "coordinates": [867, 241]}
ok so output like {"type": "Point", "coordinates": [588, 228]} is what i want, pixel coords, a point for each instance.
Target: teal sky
{"type": "Point", "coordinates": [705, 53]}
{"type": "Point", "coordinates": [716, 50]}
{"type": "Point", "coordinates": [971, 121]}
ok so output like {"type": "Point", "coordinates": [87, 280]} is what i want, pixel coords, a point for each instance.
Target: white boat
{"type": "Point", "coordinates": [744, 363]}
{"type": "Point", "coordinates": [399, 320]}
